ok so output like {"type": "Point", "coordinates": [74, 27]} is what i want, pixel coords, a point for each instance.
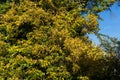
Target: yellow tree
{"type": "Point", "coordinates": [47, 39]}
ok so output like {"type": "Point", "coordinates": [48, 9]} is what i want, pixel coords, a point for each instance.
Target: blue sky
{"type": "Point", "coordinates": [111, 23]}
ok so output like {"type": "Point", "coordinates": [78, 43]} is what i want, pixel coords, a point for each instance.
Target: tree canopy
{"type": "Point", "coordinates": [47, 40]}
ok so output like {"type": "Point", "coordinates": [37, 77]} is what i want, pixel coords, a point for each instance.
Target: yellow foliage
{"type": "Point", "coordinates": [47, 39]}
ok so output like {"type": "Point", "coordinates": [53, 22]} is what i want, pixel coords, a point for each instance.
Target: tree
{"type": "Point", "coordinates": [109, 44]}
{"type": "Point", "coordinates": [47, 39]}
{"type": "Point", "coordinates": [111, 47]}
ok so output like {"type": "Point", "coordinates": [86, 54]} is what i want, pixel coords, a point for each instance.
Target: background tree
{"type": "Point", "coordinates": [110, 46]}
